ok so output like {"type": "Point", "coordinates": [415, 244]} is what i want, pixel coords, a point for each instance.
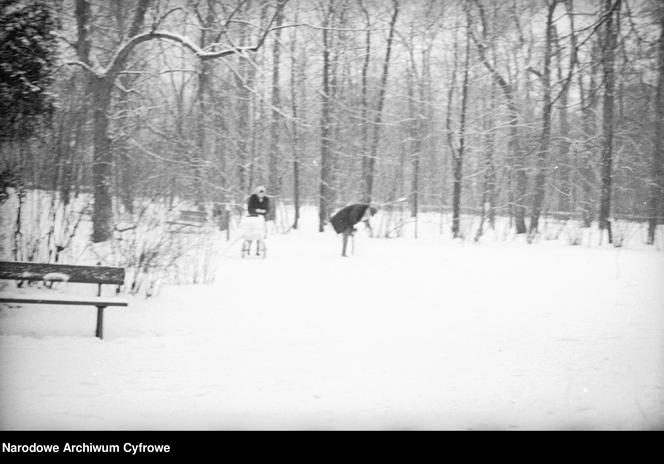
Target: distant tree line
{"type": "Point", "coordinates": [523, 109]}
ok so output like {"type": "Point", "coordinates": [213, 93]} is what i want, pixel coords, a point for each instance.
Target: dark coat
{"type": "Point", "coordinates": [256, 203]}
{"type": "Point", "coordinates": [347, 217]}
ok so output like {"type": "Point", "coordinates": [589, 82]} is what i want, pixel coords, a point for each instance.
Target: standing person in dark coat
{"type": "Point", "coordinates": [258, 206]}
{"type": "Point", "coordinates": [259, 203]}
{"type": "Point", "coordinates": [345, 219]}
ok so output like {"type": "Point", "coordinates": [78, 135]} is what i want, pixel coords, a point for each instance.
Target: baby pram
{"type": "Point", "coordinates": [252, 229]}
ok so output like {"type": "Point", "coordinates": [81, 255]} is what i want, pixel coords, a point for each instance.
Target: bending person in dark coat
{"type": "Point", "coordinates": [345, 219]}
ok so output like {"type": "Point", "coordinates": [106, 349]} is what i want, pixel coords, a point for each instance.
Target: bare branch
{"type": "Point", "coordinates": [120, 57]}
{"type": "Point", "coordinates": [534, 71]}
{"type": "Point", "coordinates": [82, 65]}
{"type": "Point", "coordinates": [158, 22]}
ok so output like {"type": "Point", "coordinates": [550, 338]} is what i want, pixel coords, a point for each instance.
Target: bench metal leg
{"type": "Point", "coordinates": [100, 322]}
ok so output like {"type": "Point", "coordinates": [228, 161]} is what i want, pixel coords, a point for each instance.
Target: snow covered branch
{"type": "Point", "coordinates": [82, 65]}
{"type": "Point", "coordinates": [122, 54]}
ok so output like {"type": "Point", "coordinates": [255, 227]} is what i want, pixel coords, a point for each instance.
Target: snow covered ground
{"type": "Point", "coordinates": [407, 334]}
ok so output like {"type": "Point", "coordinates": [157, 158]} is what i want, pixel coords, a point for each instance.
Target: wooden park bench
{"type": "Point", "coordinates": [187, 220]}
{"type": "Point", "coordinates": [65, 273]}
{"type": "Point", "coordinates": [194, 217]}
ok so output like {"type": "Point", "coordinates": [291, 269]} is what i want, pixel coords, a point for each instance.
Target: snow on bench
{"type": "Point", "coordinates": [66, 273]}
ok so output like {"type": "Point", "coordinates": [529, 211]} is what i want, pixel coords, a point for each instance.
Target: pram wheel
{"type": "Point", "coordinates": [246, 248]}
{"type": "Point", "coordinates": [261, 249]}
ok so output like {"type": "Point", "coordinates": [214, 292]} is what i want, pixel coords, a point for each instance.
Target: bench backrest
{"type": "Point", "coordinates": [194, 216]}
{"type": "Point", "coordinates": [62, 272]}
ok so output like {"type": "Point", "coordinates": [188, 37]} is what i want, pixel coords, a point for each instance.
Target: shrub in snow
{"type": "Point", "coordinates": [573, 233]}
{"type": "Point", "coordinates": [552, 229]}
{"type": "Point", "coordinates": [158, 248]}
{"type": "Point", "coordinates": [37, 226]}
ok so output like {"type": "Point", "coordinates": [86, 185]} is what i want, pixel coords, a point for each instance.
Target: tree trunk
{"type": "Point", "coordinates": [584, 160]}
{"type": "Point", "coordinates": [545, 137]}
{"type": "Point", "coordinates": [244, 97]}
{"type": "Point", "coordinates": [274, 179]}
{"type": "Point", "coordinates": [244, 81]}
{"type": "Point", "coordinates": [127, 178]}
{"type": "Point", "coordinates": [295, 127]}
{"type": "Point", "coordinates": [102, 87]}
{"type": "Point", "coordinates": [416, 152]}
{"type": "Point", "coordinates": [364, 134]}
{"type": "Point", "coordinates": [334, 46]}
{"type": "Point", "coordinates": [610, 40]}
{"type": "Point", "coordinates": [564, 162]}
{"type": "Point", "coordinates": [325, 166]}
{"type": "Point", "coordinates": [519, 164]}
{"type": "Point", "coordinates": [414, 145]}
{"type": "Point", "coordinates": [369, 173]}
{"type": "Point", "coordinates": [200, 155]}
{"type": "Point", "coordinates": [102, 162]}
{"type": "Point", "coordinates": [489, 181]}
{"type": "Point", "coordinates": [457, 158]}
{"type": "Point", "coordinates": [656, 199]}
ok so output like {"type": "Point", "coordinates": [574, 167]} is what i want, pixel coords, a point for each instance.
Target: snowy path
{"type": "Point", "coordinates": [406, 334]}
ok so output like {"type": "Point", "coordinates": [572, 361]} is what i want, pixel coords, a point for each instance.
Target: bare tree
{"type": "Point", "coordinates": [180, 102]}
{"type": "Point", "coordinates": [518, 162]}
{"type": "Point", "coordinates": [102, 84]}
{"type": "Point", "coordinates": [368, 174]}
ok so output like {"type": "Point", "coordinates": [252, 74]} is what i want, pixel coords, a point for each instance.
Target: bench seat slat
{"type": "Point", "coordinates": [65, 272]}
{"type": "Point", "coordinates": [88, 301]}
